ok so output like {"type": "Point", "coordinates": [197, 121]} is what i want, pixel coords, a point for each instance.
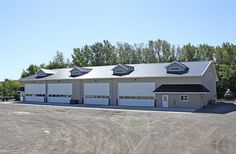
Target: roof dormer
{"type": "Point", "coordinates": [121, 70]}
{"type": "Point", "coordinates": [176, 68]}
{"type": "Point", "coordinates": [78, 71]}
{"type": "Point", "coordinates": [44, 72]}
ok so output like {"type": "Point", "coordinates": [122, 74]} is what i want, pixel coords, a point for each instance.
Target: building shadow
{"type": "Point", "coordinates": [85, 106]}
{"type": "Point", "coordinates": [218, 108]}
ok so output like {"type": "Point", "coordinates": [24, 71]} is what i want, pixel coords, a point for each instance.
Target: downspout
{"type": "Point", "coordinates": [46, 92]}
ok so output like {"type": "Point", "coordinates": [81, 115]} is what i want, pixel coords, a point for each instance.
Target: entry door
{"type": "Point", "coordinates": [165, 101]}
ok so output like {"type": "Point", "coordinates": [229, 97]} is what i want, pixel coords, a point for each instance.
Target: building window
{"type": "Point", "coordinates": [41, 74]}
{"type": "Point", "coordinates": [119, 71]}
{"type": "Point", "coordinates": [184, 98]}
{"type": "Point", "coordinates": [175, 69]}
{"type": "Point", "coordinates": [75, 73]}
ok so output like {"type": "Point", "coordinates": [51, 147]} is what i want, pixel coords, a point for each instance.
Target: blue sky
{"type": "Point", "coordinates": [32, 31]}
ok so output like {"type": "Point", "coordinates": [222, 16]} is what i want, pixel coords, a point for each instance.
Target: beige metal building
{"type": "Point", "coordinates": [168, 85]}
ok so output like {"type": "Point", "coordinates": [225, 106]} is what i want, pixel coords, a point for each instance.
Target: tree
{"type": "Point", "coordinates": [205, 52]}
{"type": "Point", "coordinates": [139, 49]}
{"type": "Point", "coordinates": [1, 89]}
{"type": "Point", "coordinates": [97, 54]}
{"type": "Point", "coordinates": [227, 77]}
{"type": "Point", "coordinates": [31, 70]}
{"type": "Point", "coordinates": [10, 88]}
{"type": "Point", "coordinates": [226, 66]}
{"type": "Point", "coordinates": [58, 61]}
{"type": "Point", "coordinates": [123, 54]}
{"type": "Point", "coordinates": [166, 51]}
{"type": "Point", "coordinates": [154, 51]}
{"type": "Point", "coordinates": [109, 53]}
{"type": "Point", "coordinates": [151, 53]}
{"type": "Point", "coordinates": [188, 53]}
{"type": "Point", "coordinates": [88, 54]}
{"type": "Point", "coordinates": [78, 58]}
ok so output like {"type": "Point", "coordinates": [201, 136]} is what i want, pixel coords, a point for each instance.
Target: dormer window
{"type": "Point", "coordinates": [121, 70]}
{"type": "Point", "coordinates": [78, 71]}
{"type": "Point", "coordinates": [41, 74]}
{"type": "Point", "coordinates": [176, 68]}
{"type": "Point", "coordinates": [44, 73]}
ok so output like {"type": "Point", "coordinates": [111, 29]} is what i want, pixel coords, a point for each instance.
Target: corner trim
{"type": "Point", "coordinates": [207, 68]}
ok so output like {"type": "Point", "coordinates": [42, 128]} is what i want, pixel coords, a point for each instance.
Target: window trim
{"type": "Point", "coordinates": [184, 100]}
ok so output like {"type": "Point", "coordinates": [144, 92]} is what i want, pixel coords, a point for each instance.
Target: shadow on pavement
{"type": "Point", "coordinates": [219, 108]}
{"type": "Point", "coordinates": [110, 107]}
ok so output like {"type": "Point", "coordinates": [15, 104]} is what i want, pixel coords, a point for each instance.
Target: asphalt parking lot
{"type": "Point", "coordinates": [29, 128]}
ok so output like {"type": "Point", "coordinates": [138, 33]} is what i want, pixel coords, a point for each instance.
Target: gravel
{"type": "Point", "coordinates": [28, 128]}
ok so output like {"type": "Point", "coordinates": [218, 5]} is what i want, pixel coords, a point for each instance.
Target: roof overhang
{"type": "Point", "coordinates": [183, 93]}
{"type": "Point", "coordinates": [102, 78]}
{"type": "Point", "coordinates": [181, 88]}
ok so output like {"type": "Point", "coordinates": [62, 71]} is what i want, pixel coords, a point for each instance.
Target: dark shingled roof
{"type": "Point", "coordinates": [182, 88]}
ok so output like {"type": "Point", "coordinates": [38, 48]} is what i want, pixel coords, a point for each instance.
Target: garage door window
{"type": "Point", "coordinates": [96, 96]}
{"type": "Point", "coordinates": [184, 98]}
{"type": "Point", "coordinates": [136, 97]}
{"type": "Point", "coordinates": [53, 95]}
{"type": "Point", "coordinates": [38, 95]}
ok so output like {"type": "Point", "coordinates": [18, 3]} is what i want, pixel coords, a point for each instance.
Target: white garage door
{"type": "Point", "coordinates": [136, 94]}
{"type": "Point", "coordinates": [34, 92]}
{"type": "Point", "coordinates": [96, 93]}
{"type": "Point", "coordinates": [59, 93]}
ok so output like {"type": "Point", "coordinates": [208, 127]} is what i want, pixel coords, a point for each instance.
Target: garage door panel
{"type": "Point", "coordinates": [59, 100]}
{"type": "Point", "coordinates": [136, 89]}
{"type": "Point", "coordinates": [35, 92]}
{"type": "Point", "coordinates": [59, 93]}
{"type": "Point", "coordinates": [96, 101]}
{"type": "Point", "coordinates": [34, 99]}
{"type": "Point", "coordinates": [96, 88]}
{"type": "Point", "coordinates": [136, 94]}
{"type": "Point", "coordinates": [136, 102]}
{"type": "Point", "coordinates": [35, 89]}
{"type": "Point", "coordinates": [60, 89]}
{"type": "Point", "coordinates": [96, 93]}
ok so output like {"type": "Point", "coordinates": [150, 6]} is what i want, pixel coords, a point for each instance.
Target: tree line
{"type": "Point", "coordinates": [153, 51]}
{"type": "Point", "coordinates": [9, 88]}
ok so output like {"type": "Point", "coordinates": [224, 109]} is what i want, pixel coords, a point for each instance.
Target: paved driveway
{"type": "Point", "coordinates": [53, 129]}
